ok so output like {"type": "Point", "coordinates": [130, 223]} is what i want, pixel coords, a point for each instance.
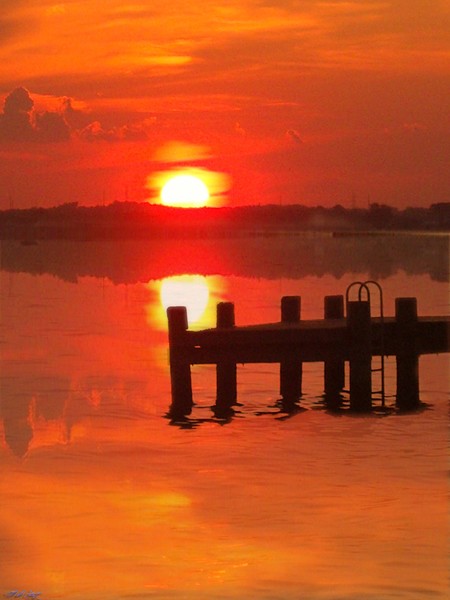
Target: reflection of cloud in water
{"type": "Point", "coordinates": [27, 400]}
{"type": "Point", "coordinates": [43, 412]}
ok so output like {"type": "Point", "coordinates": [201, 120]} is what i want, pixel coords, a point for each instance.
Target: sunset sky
{"type": "Point", "coordinates": [282, 101]}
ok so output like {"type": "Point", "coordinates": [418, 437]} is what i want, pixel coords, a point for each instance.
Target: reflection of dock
{"type": "Point", "coordinates": [355, 338]}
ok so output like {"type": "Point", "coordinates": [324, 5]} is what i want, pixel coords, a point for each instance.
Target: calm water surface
{"type": "Point", "coordinates": [102, 497]}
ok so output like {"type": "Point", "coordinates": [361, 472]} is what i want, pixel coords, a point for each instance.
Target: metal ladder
{"type": "Point", "coordinates": [364, 286]}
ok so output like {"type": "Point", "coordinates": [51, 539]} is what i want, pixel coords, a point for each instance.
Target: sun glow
{"type": "Point", "coordinates": [185, 191]}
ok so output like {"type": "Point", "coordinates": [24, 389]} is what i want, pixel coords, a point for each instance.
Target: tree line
{"type": "Point", "coordinates": [137, 219]}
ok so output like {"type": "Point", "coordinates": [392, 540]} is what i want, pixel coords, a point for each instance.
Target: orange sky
{"type": "Point", "coordinates": [309, 101]}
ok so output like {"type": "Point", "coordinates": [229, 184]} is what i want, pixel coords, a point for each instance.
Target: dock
{"type": "Point", "coordinates": [356, 338]}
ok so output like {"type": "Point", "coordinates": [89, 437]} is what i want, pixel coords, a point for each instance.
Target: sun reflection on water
{"type": "Point", "coordinates": [199, 294]}
{"type": "Point", "coordinates": [188, 290]}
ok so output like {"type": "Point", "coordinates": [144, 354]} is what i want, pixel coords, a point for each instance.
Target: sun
{"type": "Point", "coordinates": [185, 191]}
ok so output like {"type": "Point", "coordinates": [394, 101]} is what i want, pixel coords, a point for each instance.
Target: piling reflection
{"type": "Point", "coordinates": [223, 414]}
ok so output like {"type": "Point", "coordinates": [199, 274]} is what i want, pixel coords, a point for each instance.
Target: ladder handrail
{"type": "Point", "coordinates": [364, 285]}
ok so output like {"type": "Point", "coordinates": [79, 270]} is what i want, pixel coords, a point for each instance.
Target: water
{"type": "Point", "coordinates": [104, 498]}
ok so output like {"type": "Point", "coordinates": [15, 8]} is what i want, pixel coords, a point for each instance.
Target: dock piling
{"type": "Point", "coordinates": [407, 356]}
{"type": "Point", "coordinates": [334, 368]}
{"type": "Point", "coordinates": [180, 368]}
{"type": "Point", "coordinates": [290, 365]}
{"type": "Point", "coordinates": [226, 377]}
{"type": "Point", "coordinates": [360, 355]}
{"type": "Point", "coordinates": [290, 309]}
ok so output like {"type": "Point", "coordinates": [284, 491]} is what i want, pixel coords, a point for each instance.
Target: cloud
{"type": "Point", "coordinates": [294, 135]}
{"type": "Point", "coordinates": [51, 127]}
{"type": "Point", "coordinates": [19, 122]}
{"type": "Point", "coordinates": [124, 133]}
{"type": "Point", "coordinates": [15, 122]}
{"type": "Point", "coordinates": [414, 127]}
{"type": "Point", "coordinates": [18, 101]}
{"type": "Point", "coordinates": [22, 122]}
{"type": "Point", "coordinates": [180, 151]}
{"type": "Point", "coordinates": [74, 117]}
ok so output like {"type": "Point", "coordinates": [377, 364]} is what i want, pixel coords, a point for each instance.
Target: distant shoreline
{"type": "Point", "coordinates": [132, 220]}
{"type": "Point", "coordinates": [388, 232]}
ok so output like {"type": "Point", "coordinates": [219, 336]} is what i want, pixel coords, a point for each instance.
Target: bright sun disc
{"type": "Point", "coordinates": [186, 191]}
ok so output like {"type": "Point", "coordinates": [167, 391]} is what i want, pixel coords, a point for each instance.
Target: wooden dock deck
{"type": "Point", "coordinates": [311, 341]}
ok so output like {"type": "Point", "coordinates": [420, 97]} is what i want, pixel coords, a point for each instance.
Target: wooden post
{"type": "Point", "coordinates": [226, 379]}
{"type": "Point", "coordinates": [225, 315]}
{"type": "Point", "coordinates": [334, 368]}
{"type": "Point", "coordinates": [290, 309]}
{"type": "Point", "coordinates": [407, 356]}
{"type": "Point", "coordinates": [360, 355]}
{"type": "Point", "coordinates": [290, 366]}
{"type": "Point", "coordinates": [180, 368]}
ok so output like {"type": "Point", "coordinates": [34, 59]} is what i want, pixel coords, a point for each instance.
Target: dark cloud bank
{"type": "Point", "coordinates": [21, 122]}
